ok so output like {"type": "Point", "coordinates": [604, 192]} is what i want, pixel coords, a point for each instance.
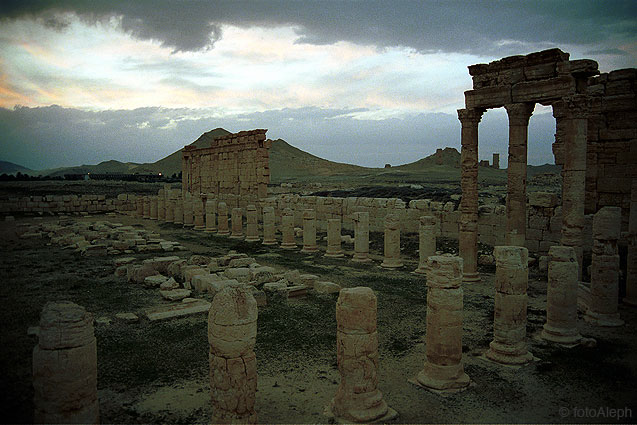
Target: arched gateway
{"type": "Point", "coordinates": [592, 111]}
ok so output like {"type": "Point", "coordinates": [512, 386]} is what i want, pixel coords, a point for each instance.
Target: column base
{"type": "Point", "coordinates": [471, 277]}
{"type": "Point", "coordinates": [383, 414]}
{"type": "Point", "coordinates": [236, 236]}
{"type": "Point", "coordinates": [561, 335]}
{"type": "Point", "coordinates": [515, 355]}
{"type": "Point", "coordinates": [199, 228]}
{"type": "Point", "coordinates": [223, 232]}
{"type": "Point", "coordinates": [391, 264]}
{"type": "Point", "coordinates": [334, 254]}
{"type": "Point", "coordinates": [153, 218]}
{"type": "Point", "coordinates": [288, 246]}
{"type": "Point", "coordinates": [601, 319]}
{"type": "Point", "coordinates": [267, 242]}
{"type": "Point", "coordinates": [361, 257]}
{"type": "Point", "coordinates": [254, 239]}
{"type": "Point", "coordinates": [189, 225]}
{"type": "Point", "coordinates": [210, 230]}
{"type": "Point", "coordinates": [420, 270]}
{"type": "Point", "coordinates": [309, 249]}
{"type": "Point", "coordinates": [178, 223]}
{"type": "Point", "coordinates": [442, 377]}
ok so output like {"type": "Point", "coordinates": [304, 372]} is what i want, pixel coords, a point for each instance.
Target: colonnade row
{"type": "Point", "coordinates": [65, 359]}
{"type": "Point", "coordinates": [215, 217]}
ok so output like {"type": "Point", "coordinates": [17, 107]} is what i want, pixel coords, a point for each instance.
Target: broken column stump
{"type": "Point", "coordinates": [269, 229]}
{"type": "Point", "coordinates": [65, 366]}
{"type": "Point", "coordinates": [232, 331]}
{"type": "Point", "coordinates": [361, 237]}
{"type": "Point", "coordinates": [561, 297]}
{"type": "Point", "coordinates": [426, 242]}
{"type": "Point", "coordinates": [334, 238]}
{"type": "Point", "coordinates": [358, 399]}
{"type": "Point", "coordinates": [237, 223]}
{"type": "Point", "coordinates": [252, 226]}
{"type": "Point", "coordinates": [392, 242]}
{"type": "Point", "coordinates": [211, 215]}
{"type": "Point", "coordinates": [222, 219]}
{"type": "Point", "coordinates": [287, 230]}
{"type": "Point", "coordinates": [443, 369]}
{"type": "Point", "coordinates": [509, 344]}
{"type": "Point", "coordinates": [309, 231]}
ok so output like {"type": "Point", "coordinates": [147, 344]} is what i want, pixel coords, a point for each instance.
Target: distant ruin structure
{"type": "Point", "coordinates": [595, 141]}
{"type": "Point", "coordinates": [234, 164]}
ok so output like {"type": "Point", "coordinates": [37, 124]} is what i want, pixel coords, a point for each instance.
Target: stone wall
{"type": "Point", "coordinates": [67, 204]}
{"type": "Point", "coordinates": [234, 164]}
{"type": "Point", "coordinates": [611, 160]}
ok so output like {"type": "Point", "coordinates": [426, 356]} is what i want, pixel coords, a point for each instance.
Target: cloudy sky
{"type": "Point", "coordinates": [364, 82]}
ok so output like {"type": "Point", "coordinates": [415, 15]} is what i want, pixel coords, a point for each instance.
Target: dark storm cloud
{"type": "Point", "coordinates": [52, 136]}
{"type": "Point", "coordinates": [483, 27]}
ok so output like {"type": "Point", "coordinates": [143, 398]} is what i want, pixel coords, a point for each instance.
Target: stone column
{"type": "Point", "coordinates": [631, 257]}
{"type": "Point", "coordinates": [222, 219]}
{"type": "Point", "coordinates": [252, 226]}
{"type": "Point", "coordinates": [561, 297]}
{"type": "Point", "coordinates": [573, 112]}
{"type": "Point", "coordinates": [161, 205]}
{"type": "Point", "coordinates": [495, 163]}
{"type": "Point", "coordinates": [237, 223]}
{"type": "Point", "coordinates": [198, 212]}
{"type": "Point", "coordinates": [211, 215]}
{"type": "Point", "coordinates": [519, 114]}
{"type": "Point", "coordinates": [602, 310]}
{"type": "Point", "coordinates": [287, 230]}
{"type": "Point", "coordinates": [334, 238]}
{"type": "Point", "coordinates": [269, 228]}
{"type": "Point", "coordinates": [309, 231]}
{"type": "Point", "coordinates": [509, 324]}
{"type": "Point", "coordinates": [361, 237]}
{"type": "Point", "coordinates": [468, 225]}
{"type": "Point", "coordinates": [232, 331]}
{"type": "Point", "coordinates": [139, 206]}
{"type": "Point", "coordinates": [146, 207]}
{"type": "Point", "coordinates": [179, 210]}
{"type": "Point", "coordinates": [392, 242]}
{"type": "Point", "coordinates": [358, 399]}
{"type": "Point", "coordinates": [65, 366]}
{"type": "Point", "coordinates": [153, 207]}
{"type": "Point", "coordinates": [427, 231]}
{"type": "Point", "coordinates": [170, 210]}
{"type": "Point", "coordinates": [443, 368]}
{"type": "Point", "coordinates": [188, 210]}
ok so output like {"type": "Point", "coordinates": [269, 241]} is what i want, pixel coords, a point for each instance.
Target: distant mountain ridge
{"type": "Point", "coordinates": [7, 167]}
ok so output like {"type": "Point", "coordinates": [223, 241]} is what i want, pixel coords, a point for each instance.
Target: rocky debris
{"type": "Point", "coordinates": [169, 285]}
{"type": "Point", "coordinates": [327, 288]}
{"type": "Point", "coordinates": [175, 294]}
{"type": "Point", "coordinates": [155, 281]}
{"type": "Point", "coordinates": [185, 308]}
{"type": "Point", "coordinates": [127, 317]}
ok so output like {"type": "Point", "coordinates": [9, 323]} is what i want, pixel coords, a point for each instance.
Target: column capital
{"type": "Point", "coordinates": [519, 113]}
{"type": "Point", "coordinates": [470, 117]}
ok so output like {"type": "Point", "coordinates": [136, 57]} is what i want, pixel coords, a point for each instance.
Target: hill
{"type": "Point", "coordinates": [288, 162]}
{"type": "Point", "coordinates": [105, 167]}
{"type": "Point", "coordinates": [7, 167]}
{"type": "Point", "coordinates": [172, 163]}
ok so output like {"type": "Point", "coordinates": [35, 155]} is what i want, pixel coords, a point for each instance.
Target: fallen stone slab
{"type": "Point", "coordinates": [327, 287]}
{"type": "Point", "coordinates": [242, 274]}
{"type": "Point", "coordinates": [175, 294]}
{"type": "Point", "coordinates": [178, 310]}
{"type": "Point", "coordinates": [154, 281]}
{"type": "Point", "coordinates": [169, 285]}
{"type": "Point", "coordinates": [122, 261]}
{"type": "Point", "coordinates": [127, 317]}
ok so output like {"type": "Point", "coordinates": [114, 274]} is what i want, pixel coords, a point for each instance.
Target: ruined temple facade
{"type": "Point", "coordinates": [236, 164]}
{"type": "Point", "coordinates": [595, 141]}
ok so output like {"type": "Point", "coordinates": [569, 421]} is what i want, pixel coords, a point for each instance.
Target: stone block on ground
{"type": "Point", "coordinates": [178, 310]}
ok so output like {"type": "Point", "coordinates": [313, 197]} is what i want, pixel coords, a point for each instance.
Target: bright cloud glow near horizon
{"type": "Point", "coordinates": [357, 82]}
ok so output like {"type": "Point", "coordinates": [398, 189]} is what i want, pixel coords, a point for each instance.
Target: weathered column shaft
{"type": "Point", "coordinates": [309, 231]}
{"type": "Point", "coordinates": [334, 238]}
{"type": "Point", "coordinates": [222, 219]}
{"type": "Point", "coordinates": [146, 207]}
{"type": "Point", "coordinates": [509, 325]}
{"type": "Point", "coordinates": [392, 242]}
{"type": "Point", "coordinates": [361, 237]}
{"type": "Point", "coordinates": [179, 211]}
{"type": "Point", "coordinates": [170, 210]}
{"type": "Point", "coordinates": [269, 228]}
{"type": "Point", "coordinates": [519, 114]}
{"type": "Point", "coordinates": [237, 223]}
{"type": "Point", "coordinates": [357, 398]}
{"type": "Point", "coordinates": [252, 225]}
{"type": "Point", "coordinates": [443, 368]}
{"type": "Point", "coordinates": [427, 231]}
{"type": "Point", "coordinates": [605, 268]}
{"type": "Point", "coordinates": [188, 210]}
{"type": "Point", "coordinates": [65, 366]}
{"type": "Point", "coordinates": [232, 331]}
{"type": "Point", "coordinates": [211, 214]}
{"type": "Point", "coordinates": [561, 297]}
{"type": "Point", "coordinates": [139, 206]}
{"type": "Point", "coordinates": [153, 208]}
{"type": "Point", "coordinates": [468, 226]}
{"type": "Point", "coordinates": [161, 205]}
{"type": "Point", "coordinates": [198, 212]}
{"type": "Point", "coordinates": [287, 230]}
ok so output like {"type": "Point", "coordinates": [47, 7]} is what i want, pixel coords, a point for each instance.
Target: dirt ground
{"type": "Point", "coordinates": [152, 372]}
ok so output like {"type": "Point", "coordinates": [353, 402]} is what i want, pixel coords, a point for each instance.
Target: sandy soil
{"type": "Point", "coordinates": [152, 372]}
